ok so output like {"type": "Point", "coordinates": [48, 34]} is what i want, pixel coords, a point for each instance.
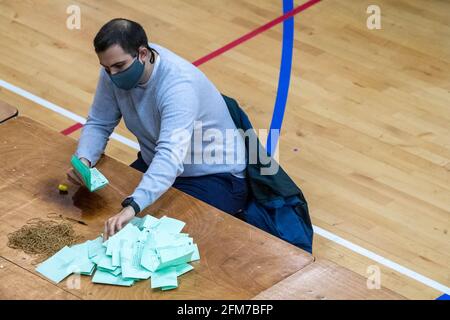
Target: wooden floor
{"type": "Point", "coordinates": [366, 133]}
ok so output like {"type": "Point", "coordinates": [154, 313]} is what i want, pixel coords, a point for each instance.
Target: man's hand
{"type": "Point", "coordinates": [117, 222]}
{"type": "Point", "coordinates": [73, 175]}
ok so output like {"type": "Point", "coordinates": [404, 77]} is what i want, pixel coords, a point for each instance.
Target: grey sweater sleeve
{"type": "Point", "coordinates": [178, 109]}
{"type": "Point", "coordinates": [103, 117]}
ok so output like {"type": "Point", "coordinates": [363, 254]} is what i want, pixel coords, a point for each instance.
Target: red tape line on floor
{"type": "Point", "coordinates": [71, 129]}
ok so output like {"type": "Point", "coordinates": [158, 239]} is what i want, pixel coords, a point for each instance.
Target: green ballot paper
{"type": "Point", "coordinates": [92, 178]}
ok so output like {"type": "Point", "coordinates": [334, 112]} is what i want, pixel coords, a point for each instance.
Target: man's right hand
{"type": "Point", "coordinates": [73, 175]}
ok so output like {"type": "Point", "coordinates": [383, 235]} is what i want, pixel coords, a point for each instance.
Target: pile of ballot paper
{"type": "Point", "coordinates": [145, 248]}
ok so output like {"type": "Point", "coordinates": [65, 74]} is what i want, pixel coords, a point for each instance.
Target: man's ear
{"type": "Point", "coordinates": [143, 53]}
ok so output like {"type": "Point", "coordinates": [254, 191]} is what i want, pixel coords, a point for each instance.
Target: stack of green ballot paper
{"type": "Point", "coordinates": [145, 248]}
{"type": "Point", "coordinates": [92, 178]}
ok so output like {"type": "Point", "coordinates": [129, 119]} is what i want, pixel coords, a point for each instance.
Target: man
{"type": "Point", "coordinates": [162, 99]}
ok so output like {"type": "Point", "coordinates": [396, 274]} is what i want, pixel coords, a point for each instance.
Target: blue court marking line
{"type": "Point", "coordinates": [444, 297]}
{"type": "Point", "coordinates": [283, 80]}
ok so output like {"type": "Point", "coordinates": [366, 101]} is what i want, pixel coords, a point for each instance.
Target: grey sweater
{"type": "Point", "coordinates": [177, 106]}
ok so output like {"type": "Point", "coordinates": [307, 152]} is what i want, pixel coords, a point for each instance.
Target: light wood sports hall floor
{"type": "Point", "coordinates": [366, 132]}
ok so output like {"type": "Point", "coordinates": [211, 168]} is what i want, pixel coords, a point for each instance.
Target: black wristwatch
{"type": "Point", "coordinates": [130, 202]}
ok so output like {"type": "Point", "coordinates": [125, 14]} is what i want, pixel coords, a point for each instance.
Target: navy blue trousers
{"type": "Point", "coordinates": [221, 190]}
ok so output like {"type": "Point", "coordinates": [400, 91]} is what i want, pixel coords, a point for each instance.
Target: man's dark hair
{"type": "Point", "coordinates": [126, 33]}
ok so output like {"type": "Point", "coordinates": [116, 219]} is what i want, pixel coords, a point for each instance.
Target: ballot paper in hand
{"type": "Point", "coordinates": [92, 178]}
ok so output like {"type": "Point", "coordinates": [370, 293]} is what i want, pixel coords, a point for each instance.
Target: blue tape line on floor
{"type": "Point", "coordinates": [284, 77]}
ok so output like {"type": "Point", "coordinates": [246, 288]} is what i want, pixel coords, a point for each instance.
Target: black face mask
{"type": "Point", "coordinates": [129, 78]}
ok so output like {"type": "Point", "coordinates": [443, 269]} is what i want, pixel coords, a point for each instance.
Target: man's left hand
{"type": "Point", "coordinates": [117, 222]}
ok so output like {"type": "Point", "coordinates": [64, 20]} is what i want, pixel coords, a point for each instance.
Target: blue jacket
{"type": "Point", "coordinates": [275, 203]}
